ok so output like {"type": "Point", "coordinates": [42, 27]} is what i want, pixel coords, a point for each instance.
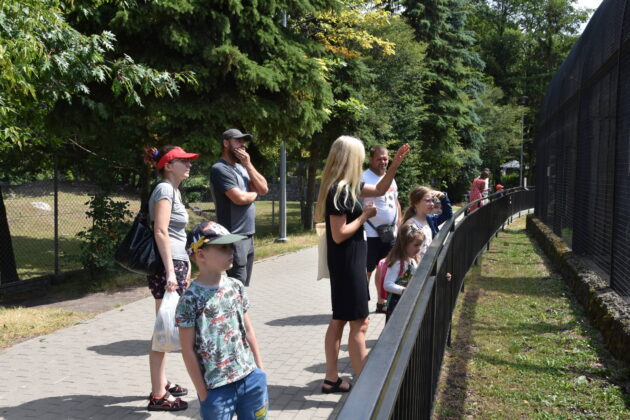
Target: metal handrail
{"type": "Point", "coordinates": [400, 376]}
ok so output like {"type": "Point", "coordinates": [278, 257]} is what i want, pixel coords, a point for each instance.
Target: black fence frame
{"type": "Point", "coordinates": [401, 374]}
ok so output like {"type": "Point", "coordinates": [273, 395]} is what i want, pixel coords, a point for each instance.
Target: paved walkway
{"type": "Point", "coordinates": [99, 369]}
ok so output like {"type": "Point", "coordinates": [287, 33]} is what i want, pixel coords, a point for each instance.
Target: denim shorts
{"type": "Point", "coordinates": [247, 398]}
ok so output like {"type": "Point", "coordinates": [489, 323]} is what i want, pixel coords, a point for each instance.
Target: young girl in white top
{"type": "Point", "coordinates": [402, 262]}
{"type": "Point", "coordinates": [420, 206]}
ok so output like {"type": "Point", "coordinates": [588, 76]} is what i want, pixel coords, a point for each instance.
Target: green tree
{"type": "Point", "coordinates": [523, 43]}
{"type": "Point", "coordinates": [396, 98]}
{"type": "Point", "coordinates": [251, 73]}
{"type": "Point", "coordinates": [450, 129]}
{"type": "Point", "coordinates": [501, 125]}
{"type": "Point", "coordinates": [44, 60]}
{"type": "Point", "coordinates": [347, 38]}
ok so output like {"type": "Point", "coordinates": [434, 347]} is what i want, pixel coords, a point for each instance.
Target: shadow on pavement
{"type": "Point", "coordinates": [295, 397]}
{"type": "Point", "coordinates": [123, 348]}
{"type": "Point", "coordinates": [84, 406]}
{"type": "Point", "coordinates": [300, 320]}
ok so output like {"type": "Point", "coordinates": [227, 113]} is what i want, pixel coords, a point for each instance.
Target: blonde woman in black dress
{"type": "Point", "coordinates": [339, 205]}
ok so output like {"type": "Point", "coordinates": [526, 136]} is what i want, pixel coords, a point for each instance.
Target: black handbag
{"type": "Point", "coordinates": [386, 232]}
{"type": "Point", "coordinates": [138, 251]}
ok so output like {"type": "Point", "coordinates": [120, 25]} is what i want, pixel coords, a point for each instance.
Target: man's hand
{"type": "Point", "coordinates": [243, 156]}
{"type": "Point", "coordinates": [401, 153]}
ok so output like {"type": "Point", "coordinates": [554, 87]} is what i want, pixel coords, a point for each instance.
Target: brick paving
{"type": "Point", "coordinates": [98, 369]}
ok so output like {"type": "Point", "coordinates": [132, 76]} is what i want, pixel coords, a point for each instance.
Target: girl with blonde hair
{"type": "Point", "coordinates": [339, 205]}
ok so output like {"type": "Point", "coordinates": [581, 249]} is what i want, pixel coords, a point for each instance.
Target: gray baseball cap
{"type": "Point", "coordinates": [234, 133]}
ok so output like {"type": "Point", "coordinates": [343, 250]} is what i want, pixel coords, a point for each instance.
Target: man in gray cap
{"type": "Point", "coordinates": [235, 185]}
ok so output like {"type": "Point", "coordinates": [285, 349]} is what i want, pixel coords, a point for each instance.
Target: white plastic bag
{"type": "Point", "coordinates": [322, 251]}
{"type": "Point", "coordinates": [165, 333]}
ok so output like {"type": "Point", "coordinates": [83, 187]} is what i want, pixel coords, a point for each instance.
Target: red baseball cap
{"type": "Point", "coordinates": [499, 187]}
{"type": "Point", "coordinates": [176, 153]}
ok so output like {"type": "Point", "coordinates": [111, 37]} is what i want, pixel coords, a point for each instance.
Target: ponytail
{"type": "Point", "coordinates": [409, 213]}
{"type": "Point", "coordinates": [151, 155]}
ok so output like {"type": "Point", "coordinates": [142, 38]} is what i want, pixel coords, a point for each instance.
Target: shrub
{"type": "Point", "coordinates": [109, 226]}
{"type": "Point", "coordinates": [510, 180]}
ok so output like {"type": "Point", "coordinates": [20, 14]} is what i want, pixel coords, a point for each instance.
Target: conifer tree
{"type": "Point", "coordinates": [449, 131]}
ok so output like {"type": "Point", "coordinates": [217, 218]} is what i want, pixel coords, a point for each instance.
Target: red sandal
{"type": "Point", "coordinates": [176, 390]}
{"type": "Point", "coordinates": [163, 403]}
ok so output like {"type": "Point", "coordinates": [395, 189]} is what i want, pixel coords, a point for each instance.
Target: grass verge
{"type": "Point", "coordinates": [18, 324]}
{"type": "Point", "coordinates": [522, 347]}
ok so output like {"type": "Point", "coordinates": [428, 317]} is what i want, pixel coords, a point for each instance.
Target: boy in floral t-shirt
{"type": "Point", "coordinates": [217, 338]}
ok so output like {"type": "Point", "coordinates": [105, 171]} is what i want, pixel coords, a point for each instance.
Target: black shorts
{"type": "Point", "coordinates": [376, 251]}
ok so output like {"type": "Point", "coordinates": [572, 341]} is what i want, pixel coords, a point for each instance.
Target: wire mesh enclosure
{"type": "Point", "coordinates": [44, 211]}
{"type": "Point", "coordinates": [583, 155]}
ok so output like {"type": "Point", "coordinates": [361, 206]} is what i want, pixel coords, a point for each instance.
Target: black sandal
{"type": "Point", "coordinates": [176, 390]}
{"type": "Point", "coordinates": [335, 386]}
{"type": "Point", "coordinates": [163, 403]}
{"type": "Point", "coordinates": [381, 308]}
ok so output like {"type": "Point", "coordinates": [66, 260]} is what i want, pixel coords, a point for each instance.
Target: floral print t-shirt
{"type": "Point", "coordinates": [216, 314]}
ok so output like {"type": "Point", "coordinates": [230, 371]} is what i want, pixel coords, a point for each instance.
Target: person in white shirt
{"type": "Point", "coordinates": [388, 213]}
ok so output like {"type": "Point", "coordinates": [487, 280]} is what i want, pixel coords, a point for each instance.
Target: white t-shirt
{"type": "Point", "coordinates": [428, 235]}
{"type": "Point", "coordinates": [392, 275]}
{"type": "Point", "coordinates": [386, 205]}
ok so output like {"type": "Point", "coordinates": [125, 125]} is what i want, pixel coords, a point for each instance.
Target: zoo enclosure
{"type": "Point", "coordinates": [583, 147]}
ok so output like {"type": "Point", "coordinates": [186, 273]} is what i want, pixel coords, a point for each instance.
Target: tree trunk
{"type": "Point", "coordinates": [8, 268]}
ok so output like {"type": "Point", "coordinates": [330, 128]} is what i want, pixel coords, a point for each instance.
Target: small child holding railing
{"type": "Point", "coordinates": [401, 264]}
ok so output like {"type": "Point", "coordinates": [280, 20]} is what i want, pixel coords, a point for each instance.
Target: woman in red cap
{"type": "Point", "coordinates": [169, 217]}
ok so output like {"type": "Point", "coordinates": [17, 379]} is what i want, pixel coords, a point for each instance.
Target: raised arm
{"type": "Point", "coordinates": [385, 182]}
{"type": "Point", "coordinates": [447, 209]}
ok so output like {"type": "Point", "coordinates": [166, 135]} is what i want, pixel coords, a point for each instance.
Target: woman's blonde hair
{"type": "Point", "coordinates": [344, 166]}
{"type": "Point", "coordinates": [415, 196]}
{"type": "Point", "coordinates": [406, 234]}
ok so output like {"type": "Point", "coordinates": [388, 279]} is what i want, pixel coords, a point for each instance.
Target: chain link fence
{"type": "Point", "coordinates": [44, 213]}
{"type": "Point", "coordinates": [583, 147]}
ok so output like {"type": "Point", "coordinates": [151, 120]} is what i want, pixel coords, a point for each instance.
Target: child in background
{"type": "Point", "coordinates": [219, 347]}
{"type": "Point", "coordinates": [402, 262]}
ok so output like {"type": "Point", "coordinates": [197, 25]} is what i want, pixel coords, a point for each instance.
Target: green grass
{"type": "Point", "coordinates": [32, 229]}
{"type": "Point", "coordinates": [522, 347]}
